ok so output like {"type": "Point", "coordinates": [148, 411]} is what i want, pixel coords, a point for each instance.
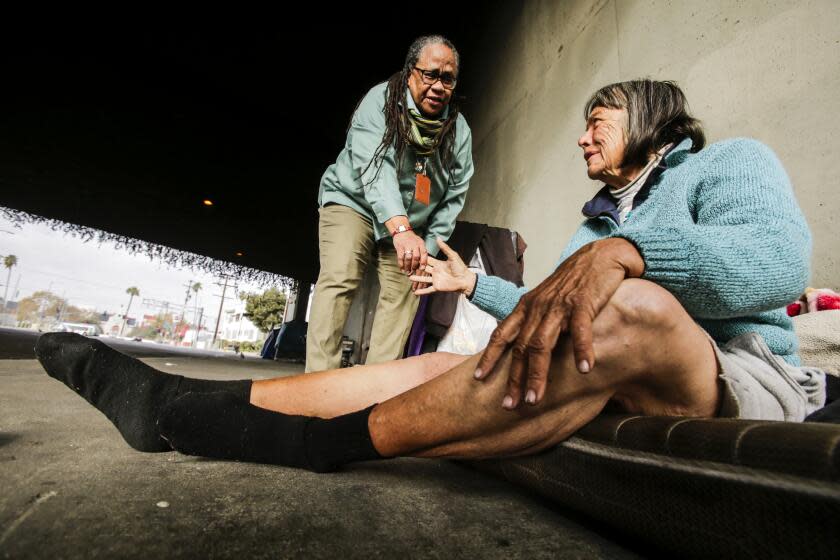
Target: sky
{"type": "Point", "coordinates": [95, 275]}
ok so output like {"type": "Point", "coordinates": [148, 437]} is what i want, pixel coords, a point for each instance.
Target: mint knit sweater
{"type": "Point", "coordinates": [721, 230]}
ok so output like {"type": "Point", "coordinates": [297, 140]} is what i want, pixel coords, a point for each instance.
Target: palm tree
{"type": "Point", "coordinates": [132, 291]}
{"type": "Point", "coordinates": [8, 262]}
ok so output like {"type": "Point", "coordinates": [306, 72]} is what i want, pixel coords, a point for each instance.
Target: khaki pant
{"type": "Point", "coordinates": [347, 246]}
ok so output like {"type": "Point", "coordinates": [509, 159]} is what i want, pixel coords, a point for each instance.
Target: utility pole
{"type": "Point", "coordinates": [197, 319]}
{"type": "Point", "coordinates": [221, 304]}
{"type": "Point", "coordinates": [61, 308]}
{"type": "Point", "coordinates": [165, 312]}
{"type": "Point", "coordinates": [16, 294]}
{"type": "Point", "coordinates": [187, 297]}
{"type": "Point", "coordinates": [198, 330]}
{"type": "Point", "coordinates": [289, 308]}
{"type": "Point", "coordinates": [164, 306]}
{"type": "Point", "coordinates": [183, 311]}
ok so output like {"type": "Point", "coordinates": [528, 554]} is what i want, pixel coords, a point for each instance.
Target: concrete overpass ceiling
{"type": "Point", "coordinates": [128, 126]}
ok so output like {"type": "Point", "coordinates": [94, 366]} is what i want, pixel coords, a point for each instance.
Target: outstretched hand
{"type": "Point", "coordinates": [566, 302]}
{"type": "Point", "coordinates": [451, 275]}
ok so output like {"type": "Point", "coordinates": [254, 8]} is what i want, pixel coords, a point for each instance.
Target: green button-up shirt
{"type": "Point", "coordinates": [391, 193]}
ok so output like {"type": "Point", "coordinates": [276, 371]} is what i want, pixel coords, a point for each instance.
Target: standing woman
{"type": "Point", "coordinates": [399, 183]}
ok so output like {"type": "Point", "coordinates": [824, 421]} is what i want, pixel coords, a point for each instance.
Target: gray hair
{"type": "Point", "coordinates": [421, 43]}
{"type": "Point", "coordinates": [657, 115]}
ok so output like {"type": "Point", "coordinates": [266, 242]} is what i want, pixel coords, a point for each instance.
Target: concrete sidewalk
{"type": "Point", "coordinates": [71, 488]}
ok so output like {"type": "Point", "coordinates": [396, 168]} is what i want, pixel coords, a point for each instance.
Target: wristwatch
{"type": "Point", "coordinates": [400, 229]}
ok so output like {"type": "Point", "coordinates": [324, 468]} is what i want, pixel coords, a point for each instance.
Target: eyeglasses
{"type": "Point", "coordinates": [429, 78]}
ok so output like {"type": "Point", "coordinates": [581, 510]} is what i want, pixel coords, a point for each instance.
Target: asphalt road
{"type": "Point", "coordinates": [71, 488]}
{"type": "Point", "coordinates": [19, 344]}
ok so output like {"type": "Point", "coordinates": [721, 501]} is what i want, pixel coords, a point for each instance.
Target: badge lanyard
{"type": "Point", "coordinates": [423, 184]}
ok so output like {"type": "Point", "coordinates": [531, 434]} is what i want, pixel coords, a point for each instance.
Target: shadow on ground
{"type": "Point", "coordinates": [73, 489]}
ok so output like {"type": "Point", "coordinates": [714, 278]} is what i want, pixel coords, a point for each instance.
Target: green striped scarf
{"type": "Point", "coordinates": [425, 133]}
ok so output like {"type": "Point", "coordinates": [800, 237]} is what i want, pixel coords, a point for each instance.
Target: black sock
{"type": "Point", "coordinates": [331, 443]}
{"type": "Point", "coordinates": [127, 391]}
{"type": "Point", "coordinates": [219, 426]}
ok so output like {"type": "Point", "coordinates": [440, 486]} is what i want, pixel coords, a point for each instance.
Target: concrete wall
{"type": "Point", "coordinates": [765, 69]}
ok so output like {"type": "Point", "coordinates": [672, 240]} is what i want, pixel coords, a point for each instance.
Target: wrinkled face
{"type": "Point", "coordinates": [431, 99]}
{"type": "Point", "coordinates": [603, 145]}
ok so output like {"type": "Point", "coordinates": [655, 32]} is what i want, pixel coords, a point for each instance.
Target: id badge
{"type": "Point", "coordinates": [423, 189]}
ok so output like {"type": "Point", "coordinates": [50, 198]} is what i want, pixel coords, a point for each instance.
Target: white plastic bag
{"type": "Point", "coordinates": [471, 328]}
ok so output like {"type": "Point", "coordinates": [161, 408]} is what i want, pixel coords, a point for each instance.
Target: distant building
{"type": "Point", "coordinates": [148, 320]}
{"type": "Point", "coordinates": [201, 339]}
{"type": "Point", "coordinates": [234, 326]}
{"type": "Point", "coordinates": [113, 324]}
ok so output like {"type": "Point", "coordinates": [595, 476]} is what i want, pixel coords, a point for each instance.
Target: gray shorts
{"type": "Point", "coordinates": [762, 386]}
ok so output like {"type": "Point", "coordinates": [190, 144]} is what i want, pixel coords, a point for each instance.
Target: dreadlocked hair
{"type": "Point", "coordinates": [397, 124]}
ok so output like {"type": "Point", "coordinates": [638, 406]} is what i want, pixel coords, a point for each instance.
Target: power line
{"type": "Point", "coordinates": [65, 277]}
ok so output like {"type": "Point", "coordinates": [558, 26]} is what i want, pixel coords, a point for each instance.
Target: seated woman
{"type": "Point", "coordinates": [669, 300]}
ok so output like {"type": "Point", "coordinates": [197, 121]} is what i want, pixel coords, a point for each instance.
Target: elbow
{"type": "Point", "coordinates": [734, 292]}
{"type": "Point", "coordinates": [747, 295]}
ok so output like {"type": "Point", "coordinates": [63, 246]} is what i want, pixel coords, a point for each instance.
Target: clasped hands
{"type": "Point", "coordinates": [451, 275]}
{"type": "Point", "coordinates": [565, 303]}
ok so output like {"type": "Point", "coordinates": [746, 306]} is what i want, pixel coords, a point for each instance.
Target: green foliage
{"type": "Point", "coordinates": [265, 310]}
{"type": "Point", "coordinates": [246, 346]}
{"type": "Point", "coordinates": [158, 329]}
{"type": "Point", "coordinates": [9, 261]}
{"type": "Point", "coordinates": [133, 291]}
{"type": "Point", "coordinates": [75, 315]}
{"type": "Point", "coordinates": [148, 332]}
{"type": "Point", "coordinates": [252, 347]}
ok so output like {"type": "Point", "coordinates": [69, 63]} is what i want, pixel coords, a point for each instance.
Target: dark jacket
{"type": "Point", "coordinates": [502, 253]}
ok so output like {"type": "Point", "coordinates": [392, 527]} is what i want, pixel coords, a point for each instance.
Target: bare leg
{"type": "Point", "coordinates": [652, 358]}
{"type": "Point", "coordinates": [334, 392]}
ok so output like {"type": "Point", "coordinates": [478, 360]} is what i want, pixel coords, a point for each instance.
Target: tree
{"type": "Point", "coordinates": [8, 262]}
{"type": "Point", "coordinates": [72, 314]}
{"type": "Point", "coordinates": [155, 329]}
{"type": "Point", "coordinates": [132, 291]}
{"type": "Point", "coordinates": [266, 309]}
{"type": "Point", "coordinates": [39, 305]}
{"type": "Point", "coordinates": [46, 306]}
